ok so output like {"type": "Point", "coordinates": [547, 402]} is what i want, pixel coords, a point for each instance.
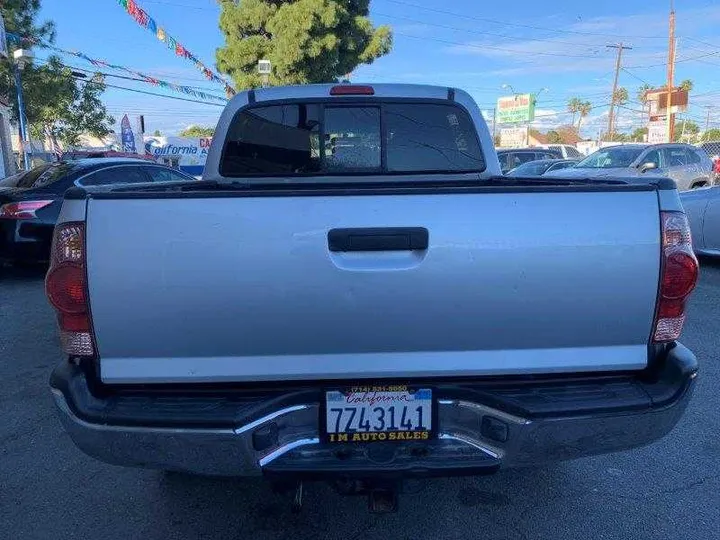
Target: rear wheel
{"type": "Point", "coordinates": [697, 185]}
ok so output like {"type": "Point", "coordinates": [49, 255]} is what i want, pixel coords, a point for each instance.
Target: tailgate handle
{"type": "Point", "coordinates": [378, 239]}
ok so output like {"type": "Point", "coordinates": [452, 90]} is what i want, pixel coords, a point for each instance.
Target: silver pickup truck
{"type": "Point", "coordinates": [355, 292]}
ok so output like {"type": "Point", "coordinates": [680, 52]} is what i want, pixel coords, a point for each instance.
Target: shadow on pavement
{"type": "Point", "coordinates": [23, 273]}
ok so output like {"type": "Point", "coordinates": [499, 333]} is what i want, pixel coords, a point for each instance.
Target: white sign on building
{"type": "Point", "coordinates": [514, 137]}
{"type": "Point", "coordinates": [657, 132]}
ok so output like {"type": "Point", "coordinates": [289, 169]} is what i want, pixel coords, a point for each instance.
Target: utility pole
{"type": "Point", "coordinates": [670, 127]}
{"type": "Point", "coordinates": [707, 120]}
{"type": "Point", "coordinates": [495, 123]}
{"type": "Point", "coordinates": [611, 117]}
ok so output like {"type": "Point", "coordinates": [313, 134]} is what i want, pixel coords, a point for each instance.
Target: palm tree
{"type": "Point", "coordinates": [686, 85]}
{"type": "Point", "coordinates": [621, 96]}
{"type": "Point", "coordinates": [573, 106]}
{"type": "Point", "coordinates": [584, 109]}
{"type": "Point", "coordinates": [642, 93]}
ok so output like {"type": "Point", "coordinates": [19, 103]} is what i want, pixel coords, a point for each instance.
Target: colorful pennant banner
{"type": "Point", "coordinates": [101, 63]}
{"type": "Point", "coordinates": [146, 21]}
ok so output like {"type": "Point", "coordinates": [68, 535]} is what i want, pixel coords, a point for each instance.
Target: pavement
{"type": "Point", "coordinates": [50, 490]}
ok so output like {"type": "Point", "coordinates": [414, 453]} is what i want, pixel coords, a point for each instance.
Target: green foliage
{"type": "Point", "coordinates": [615, 137]}
{"type": "Point", "coordinates": [157, 133]}
{"type": "Point", "coordinates": [642, 93]}
{"type": "Point", "coordinates": [56, 103]}
{"type": "Point", "coordinates": [638, 135]}
{"type": "Point", "coordinates": [307, 41]}
{"type": "Point", "coordinates": [197, 131]}
{"type": "Point", "coordinates": [711, 135]}
{"type": "Point", "coordinates": [686, 85]}
{"type": "Point", "coordinates": [584, 109]}
{"type": "Point", "coordinates": [621, 96]}
{"type": "Point", "coordinates": [685, 130]}
{"type": "Point", "coordinates": [553, 137]}
{"type": "Point", "coordinates": [573, 106]}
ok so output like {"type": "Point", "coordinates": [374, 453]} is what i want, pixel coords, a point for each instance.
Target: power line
{"type": "Point", "coordinates": [105, 74]}
{"type": "Point", "coordinates": [483, 32]}
{"type": "Point", "coordinates": [81, 79]}
{"type": "Point", "coordinates": [505, 23]}
{"type": "Point", "coordinates": [484, 47]}
{"type": "Point", "coordinates": [635, 76]}
{"type": "Point", "coordinates": [691, 59]}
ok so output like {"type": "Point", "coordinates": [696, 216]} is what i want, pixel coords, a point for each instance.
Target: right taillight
{"type": "Point", "coordinates": [66, 289]}
{"type": "Point", "coordinates": [678, 276]}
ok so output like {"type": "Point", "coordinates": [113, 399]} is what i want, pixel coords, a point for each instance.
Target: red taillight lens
{"type": "Point", "coordinates": [679, 274]}
{"type": "Point", "coordinates": [65, 288]}
{"type": "Point", "coordinates": [352, 90]}
{"type": "Point", "coordinates": [67, 291]}
{"type": "Point", "coordinates": [22, 209]}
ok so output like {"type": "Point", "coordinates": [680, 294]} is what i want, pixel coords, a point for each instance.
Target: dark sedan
{"type": "Point", "coordinates": [542, 166]}
{"type": "Point", "coordinates": [30, 201]}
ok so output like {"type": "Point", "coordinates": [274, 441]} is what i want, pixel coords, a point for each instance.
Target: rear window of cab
{"type": "Point", "coordinates": [346, 138]}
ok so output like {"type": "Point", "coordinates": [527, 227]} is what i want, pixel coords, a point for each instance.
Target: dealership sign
{"type": "Point", "coordinates": [514, 137]}
{"type": "Point", "coordinates": [657, 132]}
{"type": "Point", "coordinates": [517, 108]}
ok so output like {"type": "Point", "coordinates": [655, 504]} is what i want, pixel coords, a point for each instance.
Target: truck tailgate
{"type": "Point", "coordinates": [205, 289]}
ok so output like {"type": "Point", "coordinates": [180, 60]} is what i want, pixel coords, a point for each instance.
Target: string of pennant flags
{"type": "Point", "coordinates": [146, 21]}
{"type": "Point", "coordinates": [101, 63]}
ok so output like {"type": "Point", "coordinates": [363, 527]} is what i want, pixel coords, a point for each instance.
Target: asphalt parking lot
{"type": "Point", "coordinates": [48, 489]}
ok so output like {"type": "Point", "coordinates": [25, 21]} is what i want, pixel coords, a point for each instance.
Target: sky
{"type": "Point", "coordinates": [559, 45]}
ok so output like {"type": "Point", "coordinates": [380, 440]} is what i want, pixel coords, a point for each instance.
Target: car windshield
{"type": "Point", "coordinates": [610, 158]}
{"type": "Point", "coordinates": [38, 177]}
{"type": "Point", "coordinates": [531, 168]}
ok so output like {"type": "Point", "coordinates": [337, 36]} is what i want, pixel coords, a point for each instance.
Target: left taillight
{"type": "Point", "coordinates": [22, 209]}
{"type": "Point", "coordinates": [66, 289]}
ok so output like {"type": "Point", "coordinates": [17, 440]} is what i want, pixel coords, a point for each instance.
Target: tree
{"type": "Point", "coordinates": [77, 110]}
{"type": "Point", "coordinates": [642, 93]}
{"type": "Point", "coordinates": [584, 109]}
{"type": "Point", "coordinates": [573, 106]}
{"type": "Point", "coordinates": [553, 137]}
{"type": "Point", "coordinates": [307, 41]}
{"type": "Point", "coordinates": [685, 130]}
{"type": "Point", "coordinates": [615, 137]}
{"type": "Point", "coordinates": [711, 135]}
{"type": "Point", "coordinates": [157, 133]}
{"type": "Point", "coordinates": [56, 103]}
{"type": "Point", "coordinates": [194, 132]}
{"type": "Point", "coordinates": [686, 85]}
{"type": "Point", "coordinates": [639, 134]}
{"type": "Point", "coordinates": [621, 96]}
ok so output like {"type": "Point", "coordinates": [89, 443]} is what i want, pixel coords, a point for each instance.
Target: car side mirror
{"type": "Point", "coordinates": [648, 166]}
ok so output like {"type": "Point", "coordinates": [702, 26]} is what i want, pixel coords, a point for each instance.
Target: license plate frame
{"type": "Point", "coordinates": [423, 395]}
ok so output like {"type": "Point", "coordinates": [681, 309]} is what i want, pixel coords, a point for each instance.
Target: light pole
{"type": "Point", "coordinates": [510, 87]}
{"type": "Point", "coordinates": [22, 58]}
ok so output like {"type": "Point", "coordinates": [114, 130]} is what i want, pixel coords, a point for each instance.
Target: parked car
{"type": "Point", "coordinates": [703, 211]}
{"type": "Point", "coordinates": [82, 154]}
{"type": "Point", "coordinates": [687, 165]}
{"type": "Point", "coordinates": [567, 151]}
{"type": "Point", "coordinates": [395, 309]}
{"type": "Point", "coordinates": [511, 158]}
{"type": "Point", "coordinates": [541, 166]}
{"type": "Point", "coordinates": [30, 201]}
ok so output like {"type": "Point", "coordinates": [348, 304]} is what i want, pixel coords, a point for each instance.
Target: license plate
{"type": "Point", "coordinates": [378, 413]}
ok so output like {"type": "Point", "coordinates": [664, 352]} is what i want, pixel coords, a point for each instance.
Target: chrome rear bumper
{"type": "Point", "coordinates": [473, 437]}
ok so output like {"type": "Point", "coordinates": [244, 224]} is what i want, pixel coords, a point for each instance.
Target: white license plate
{"type": "Point", "coordinates": [364, 414]}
